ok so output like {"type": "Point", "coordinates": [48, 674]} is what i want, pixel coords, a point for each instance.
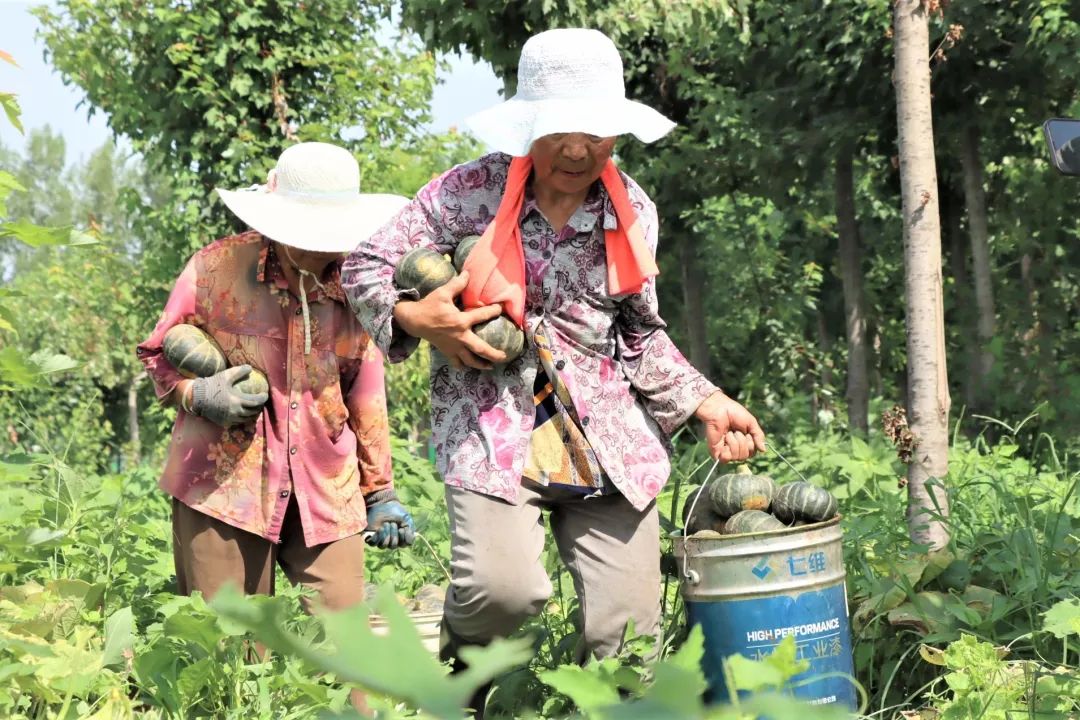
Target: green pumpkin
{"type": "Point", "coordinates": [703, 517]}
{"type": "Point", "coordinates": [502, 334]}
{"type": "Point", "coordinates": [193, 352]}
{"type": "Point", "coordinates": [741, 490]}
{"type": "Point", "coordinates": [956, 575]}
{"type": "Point", "coordinates": [253, 384]}
{"type": "Point", "coordinates": [803, 501]}
{"type": "Point", "coordinates": [463, 249]}
{"type": "Point", "coordinates": [423, 270]}
{"type": "Point", "coordinates": [752, 521]}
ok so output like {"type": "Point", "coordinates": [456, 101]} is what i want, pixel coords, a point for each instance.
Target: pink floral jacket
{"type": "Point", "coordinates": [630, 385]}
{"type": "Point", "coordinates": [323, 436]}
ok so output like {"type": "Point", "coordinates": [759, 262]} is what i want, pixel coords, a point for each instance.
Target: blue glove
{"type": "Point", "coordinates": [389, 524]}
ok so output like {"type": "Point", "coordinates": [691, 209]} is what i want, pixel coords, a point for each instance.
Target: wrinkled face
{"type": "Point", "coordinates": [569, 162]}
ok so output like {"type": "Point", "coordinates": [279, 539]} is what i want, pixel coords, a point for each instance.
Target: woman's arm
{"type": "Point", "coordinates": [397, 320]}
{"type": "Point", "coordinates": [169, 385]}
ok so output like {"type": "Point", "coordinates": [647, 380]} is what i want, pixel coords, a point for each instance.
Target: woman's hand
{"type": "Point", "coordinates": [733, 434]}
{"type": "Point", "coordinates": [439, 321]}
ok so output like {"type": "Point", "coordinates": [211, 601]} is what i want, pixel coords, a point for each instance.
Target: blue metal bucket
{"type": "Point", "coordinates": [748, 592]}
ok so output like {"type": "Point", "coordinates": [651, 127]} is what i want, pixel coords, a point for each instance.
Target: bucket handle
{"type": "Point", "coordinates": [794, 469]}
{"type": "Point", "coordinates": [692, 576]}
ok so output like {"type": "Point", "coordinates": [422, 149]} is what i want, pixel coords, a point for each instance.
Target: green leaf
{"type": "Point", "coordinates": [8, 185]}
{"type": "Point", "coordinates": [41, 536]}
{"type": "Point", "coordinates": [1063, 619]}
{"type": "Point", "coordinates": [753, 675]}
{"type": "Point", "coordinates": [16, 369]}
{"type": "Point", "coordinates": [119, 638]}
{"type": "Point", "coordinates": [589, 690]}
{"type": "Point", "coordinates": [7, 320]}
{"type": "Point", "coordinates": [50, 363]}
{"type": "Point", "coordinates": [678, 682]}
{"type": "Point", "coordinates": [17, 468]}
{"type": "Point", "coordinates": [771, 672]}
{"type": "Point", "coordinates": [394, 663]}
{"type": "Point", "coordinates": [194, 627]}
{"type": "Point", "coordinates": [11, 108]}
{"type": "Point", "coordinates": [241, 84]}
{"type": "Point", "coordinates": [195, 677]}
{"type": "Point", "coordinates": [35, 235]}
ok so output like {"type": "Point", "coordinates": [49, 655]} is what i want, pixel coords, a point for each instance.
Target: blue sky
{"type": "Point", "coordinates": [466, 88]}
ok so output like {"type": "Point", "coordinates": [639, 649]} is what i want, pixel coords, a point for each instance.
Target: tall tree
{"type": "Point", "coordinates": [847, 230]}
{"type": "Point", "coordinates": [928, 384]}
{"type": "Point", "coordinates": [978, 230]}
{"type": "Point", "coordinates": [211, 94]}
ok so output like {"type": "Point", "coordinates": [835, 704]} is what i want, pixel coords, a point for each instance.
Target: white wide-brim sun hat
{"type": "Point", "coordinates": [312, 201]}
{"type": "Point", "coordinates": [569, 80]}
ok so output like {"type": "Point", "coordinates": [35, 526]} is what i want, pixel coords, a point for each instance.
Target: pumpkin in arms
{"type": "Point", "coordinates": [803, 501]}
{"type": "Point", "coordinates": [463, 249]}
{"type": "Point", "coordinates": [423, 270]}
{"type": "Point", "coordinates": [741, 490]}
{"type": "Point", "coordinates": [253, 384]}
{"type": "Point", "coordinates": [502, 334]}
{"type": "Point", "coordinates": [193, 352]}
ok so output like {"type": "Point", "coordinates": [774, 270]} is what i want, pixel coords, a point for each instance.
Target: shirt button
{"type": "Point", "coordinates": [547, 254]}
{"type": "Point", "coordinates": [560, 365]}
{"type": "Point", "coordinates": [292, 451]}
{"type": "Point", "coordinates": [294, 405]}
{"type": "Point", "coordinates": [299, 311]}
{"type": "Point", "coordinates": [584, 421]}
{"type": "Point", "coordinates": [284, 493]}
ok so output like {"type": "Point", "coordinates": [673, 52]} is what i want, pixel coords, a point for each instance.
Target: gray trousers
{"type": "Point", "coordinates": [611, 550]}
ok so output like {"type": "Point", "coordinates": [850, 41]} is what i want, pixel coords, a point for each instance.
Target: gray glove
{"type": "Point", "coordinates": [216, 399]}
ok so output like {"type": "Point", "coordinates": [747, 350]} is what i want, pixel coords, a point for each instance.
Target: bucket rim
{"type": "Point", "coordinates": [823, 525]}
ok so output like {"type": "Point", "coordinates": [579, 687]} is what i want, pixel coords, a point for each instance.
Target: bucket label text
{"type": "Point", "coordinates": [806, 564]}
{"type": "Point", "coordinates": [778, 634]}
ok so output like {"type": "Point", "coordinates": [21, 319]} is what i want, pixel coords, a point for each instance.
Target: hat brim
{"type": "Point", "coordinates": [319, 226]}
{"type": "Point", "coordinates": [513, 125]}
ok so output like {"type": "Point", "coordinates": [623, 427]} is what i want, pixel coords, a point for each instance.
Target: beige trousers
{"type": "Point", "coordinates": [209, 552]}
{"type": "Point", "coordinates": [611, 550]}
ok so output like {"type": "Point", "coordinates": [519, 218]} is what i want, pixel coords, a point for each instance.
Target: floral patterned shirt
{"type": "Point", "coordinates": [630, 385]}
{"type": "Point", "coordinates": [323, 434]}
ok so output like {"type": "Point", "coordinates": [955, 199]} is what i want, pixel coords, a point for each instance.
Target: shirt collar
{"type": "Point", "coordinates": [269, 271]}
{"type": "Point", "coordinates": [597, 205]}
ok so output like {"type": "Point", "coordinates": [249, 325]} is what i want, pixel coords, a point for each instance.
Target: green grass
{"type": "Point", "coordinates": [89, 625]}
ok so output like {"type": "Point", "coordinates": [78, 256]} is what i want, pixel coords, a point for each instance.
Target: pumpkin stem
{"type": "Point", "coordinates": [743, 469]}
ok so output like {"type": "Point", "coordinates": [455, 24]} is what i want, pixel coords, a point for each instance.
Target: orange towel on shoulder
{"type": "Point", "coordinates": [496, 265]}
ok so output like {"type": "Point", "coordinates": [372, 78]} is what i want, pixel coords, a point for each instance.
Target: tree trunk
{"type": "Point", "coordinates": [975, 199]}
{"type": "Point", "coordinates": [134, 440]}
{"type": "Point", "coordinates": [928, 385]}
{"type": "Point", "coordinates": [858, 381]}
{"type": "Point", "coordinates": [821, 380]}
{"type": "Point", "coordinates": [955, 238]}
{"type": "Point", "coordinates": [693, 305]}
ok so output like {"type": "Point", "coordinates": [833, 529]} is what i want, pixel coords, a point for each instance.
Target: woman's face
{"type": "Point", "coordinates": [569, 162]}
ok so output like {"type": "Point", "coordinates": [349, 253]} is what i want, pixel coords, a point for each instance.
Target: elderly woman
{"type": "Point", "coordinates": [578, 424]}
{"type": "Point", "coordinates": [299, 476]}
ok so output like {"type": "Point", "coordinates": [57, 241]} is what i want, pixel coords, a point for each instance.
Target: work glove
{"type": "Point", "coordinates": [216, 399]}
{"type": "Point", "coordinates": [389, 524]}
